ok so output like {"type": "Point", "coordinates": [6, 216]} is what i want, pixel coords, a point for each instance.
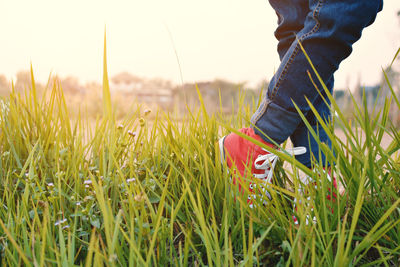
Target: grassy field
{"type": "Point", "coordinates": [138, 193]}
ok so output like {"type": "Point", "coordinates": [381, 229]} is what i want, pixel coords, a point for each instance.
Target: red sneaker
{"type": "Point", "coordinates": [249, 158]}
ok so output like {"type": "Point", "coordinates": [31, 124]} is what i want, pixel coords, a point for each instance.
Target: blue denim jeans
{"type": "Point", "coordinates": [327, 29]}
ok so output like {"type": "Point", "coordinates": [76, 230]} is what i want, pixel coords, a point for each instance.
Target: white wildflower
{"type": "Point", "coordinates": [131, 133]}
{"type": "Point", "coordinates": [60, 222]}
{"type": "Point", "coordinates": [147, 112]}
{"type": "Point", "coordinates": [130, 180]}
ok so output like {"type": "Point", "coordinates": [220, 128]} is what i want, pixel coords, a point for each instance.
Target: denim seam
{"type": "Point", "coordinates": [316, 27]}
{"type": "Point", "coordinates": [265, 103]}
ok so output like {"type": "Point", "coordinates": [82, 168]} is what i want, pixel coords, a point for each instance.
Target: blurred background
{"type": "Point", "coordinates": [158, 51]}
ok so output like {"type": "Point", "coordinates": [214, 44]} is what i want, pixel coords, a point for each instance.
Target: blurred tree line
{"type": "Point", "coordinates": [129, 90]}
{"type": "Point", "coordinates": [218, 95]}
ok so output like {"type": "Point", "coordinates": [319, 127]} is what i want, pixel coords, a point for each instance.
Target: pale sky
{"type": "Point", "coordinates": [229, 39]}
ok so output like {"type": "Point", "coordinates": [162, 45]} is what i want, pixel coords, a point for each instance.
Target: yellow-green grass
{"type": "Point", "coordinates": [138, 193]}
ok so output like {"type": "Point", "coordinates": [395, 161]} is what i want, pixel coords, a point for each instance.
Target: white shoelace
{"type": "Point", "coordinates": [268, 161]}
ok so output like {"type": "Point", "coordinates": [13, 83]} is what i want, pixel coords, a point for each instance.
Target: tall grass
{"type": "Point", "coordinates": [139, 192]}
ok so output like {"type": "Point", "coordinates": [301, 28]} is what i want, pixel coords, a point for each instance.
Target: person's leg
{"type": "Point", "coordinates": [243, 154]}
{"type": "Point", "coordinates": [330, 29]}
{"type": "Point", "coordinates": [291, 18]}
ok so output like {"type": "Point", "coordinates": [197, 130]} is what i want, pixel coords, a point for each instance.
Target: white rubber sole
{"type": "Point", "coordinates": [221, 149]}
